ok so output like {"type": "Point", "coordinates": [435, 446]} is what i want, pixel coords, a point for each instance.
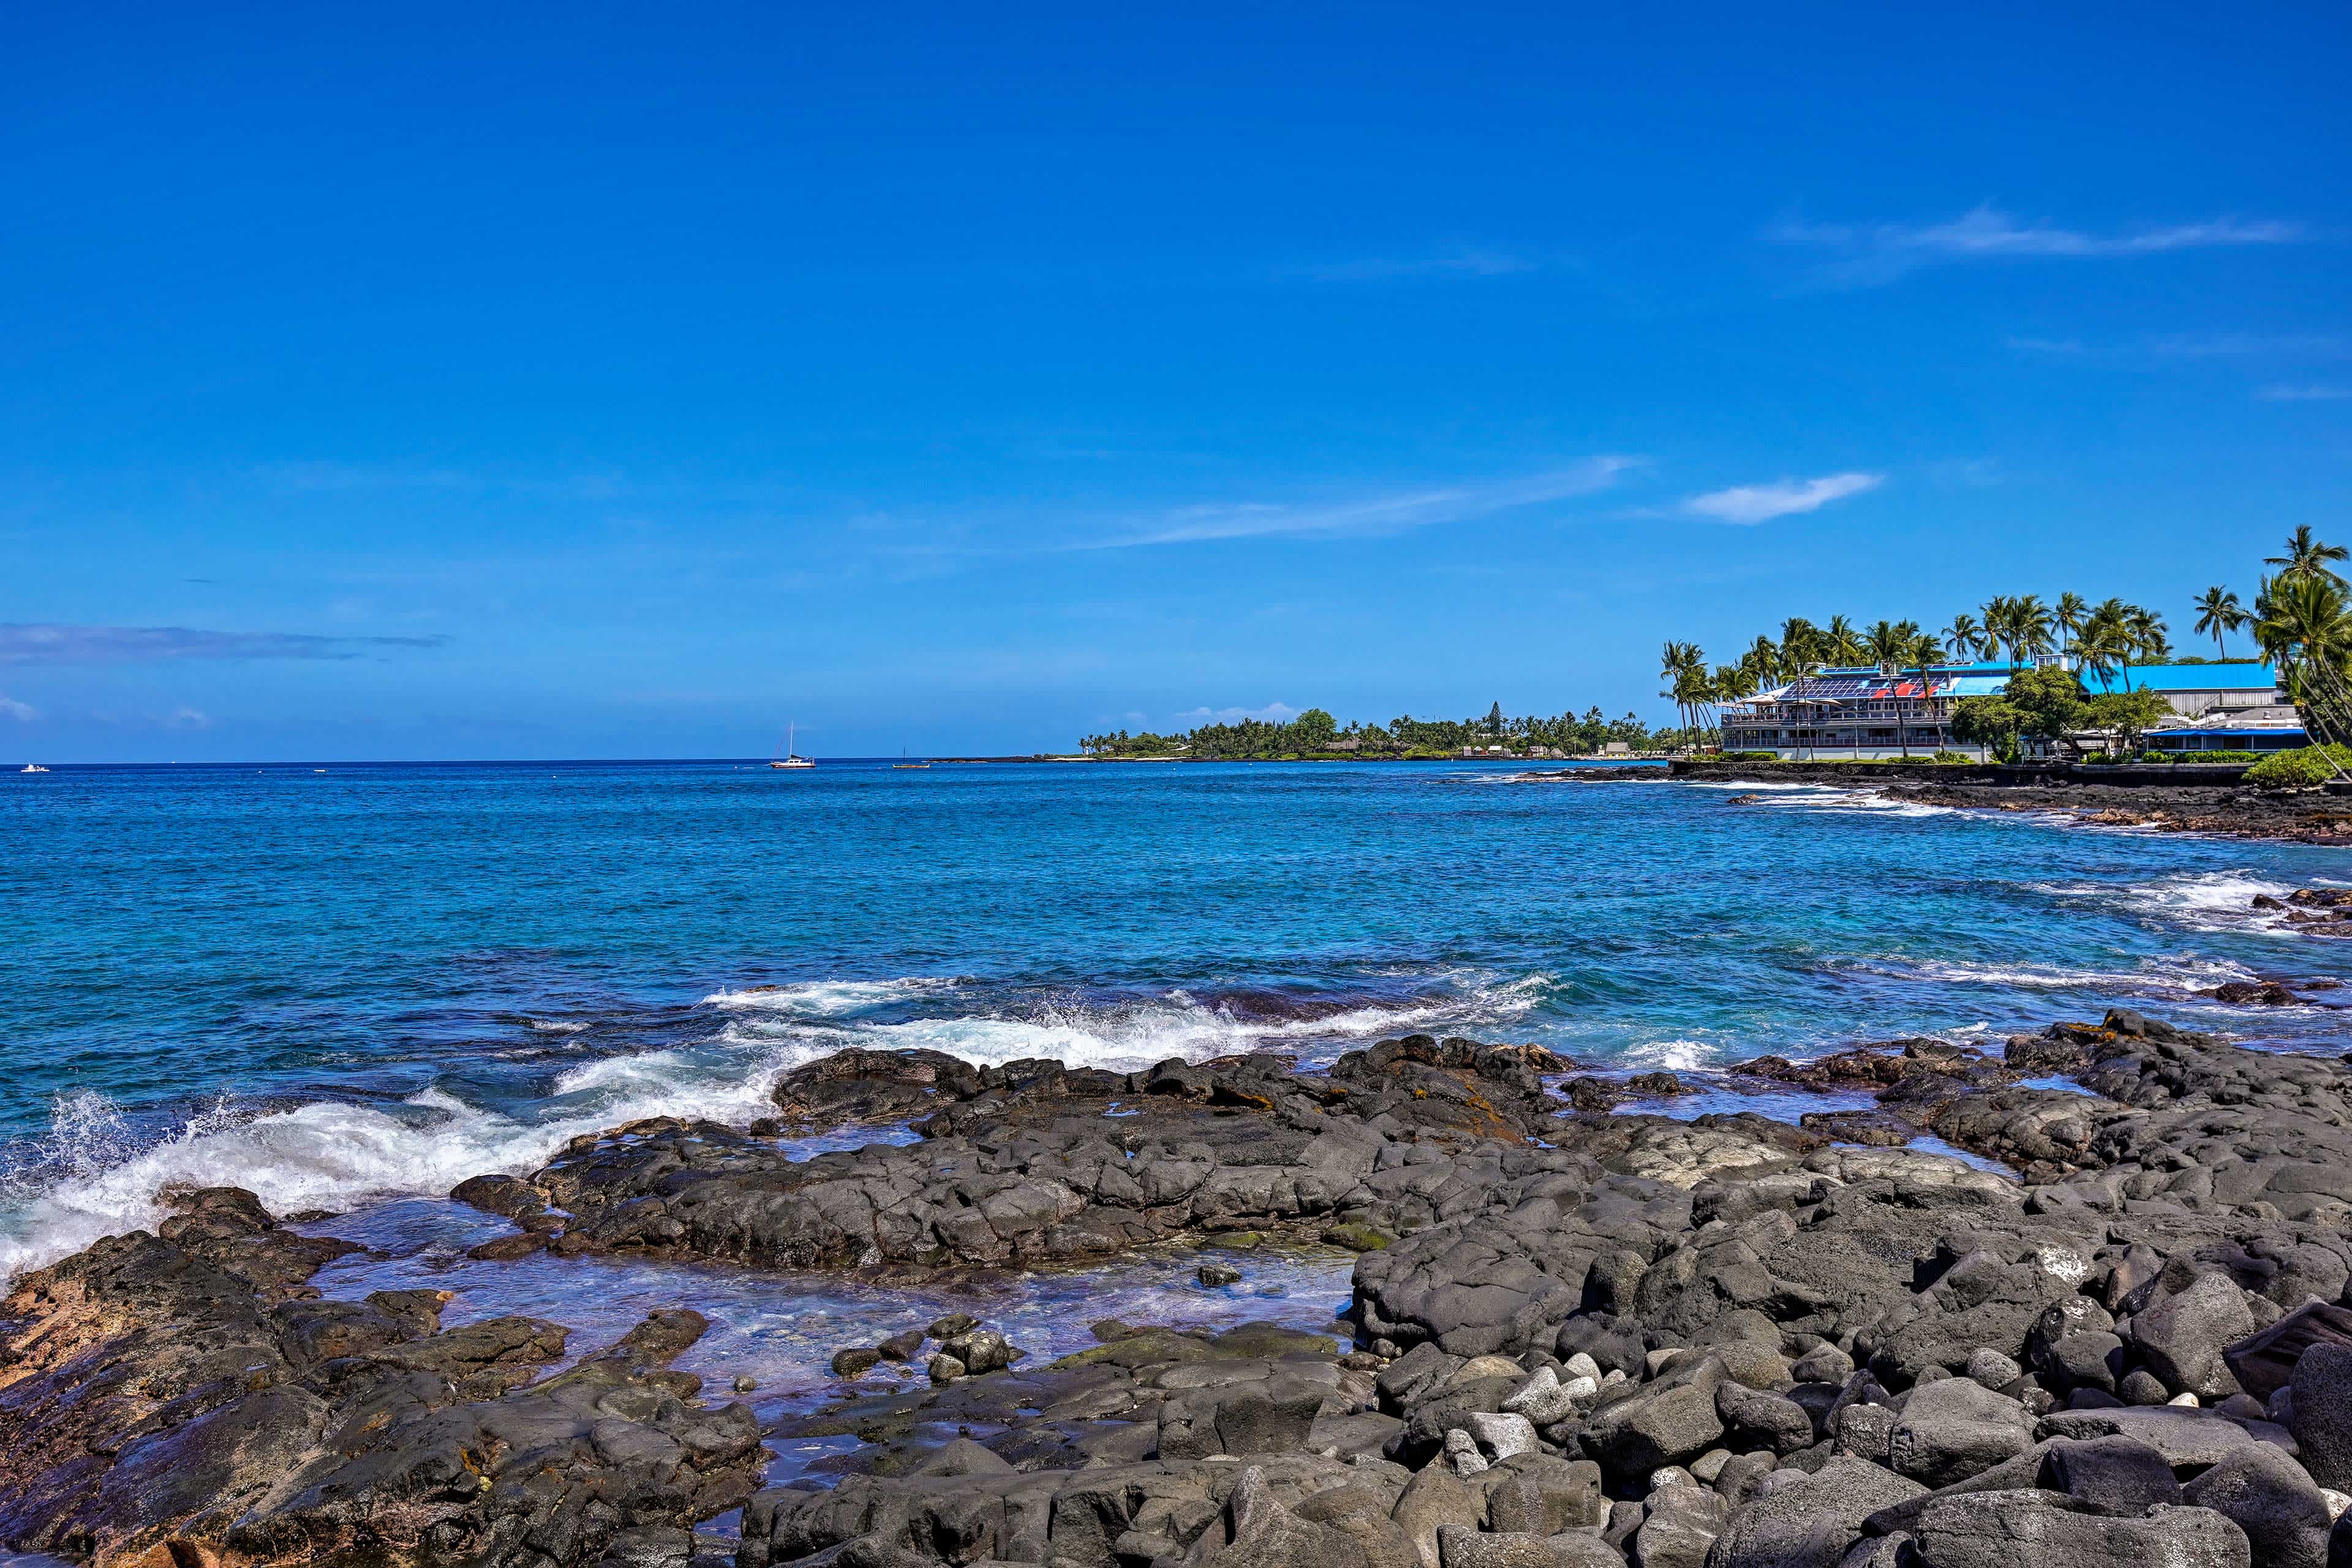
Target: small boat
{"type": "Point", "coordinates": [790, 758]}
{"type": "Point", "coordinates": [35, 768]}
{"type": "Point", "coordinates": [902, 763]}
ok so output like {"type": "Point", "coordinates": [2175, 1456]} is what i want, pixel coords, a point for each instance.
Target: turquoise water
{"type": "Point", "coordinates": [366, 982]}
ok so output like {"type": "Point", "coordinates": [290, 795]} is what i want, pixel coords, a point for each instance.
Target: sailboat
{"type": "Point", "coordinates": [903, 763]}
{"type": "Point", "coordinates": [790, 758]}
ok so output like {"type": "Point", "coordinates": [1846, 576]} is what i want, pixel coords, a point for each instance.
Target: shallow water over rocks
{"type": "Point", "coordinates": [782, 1329]}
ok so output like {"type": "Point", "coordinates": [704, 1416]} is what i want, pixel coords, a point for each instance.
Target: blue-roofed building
{"type": "Point", "coordinates": [2222, 707]}
{"type": "Point", "coordinates": [1886, 712]}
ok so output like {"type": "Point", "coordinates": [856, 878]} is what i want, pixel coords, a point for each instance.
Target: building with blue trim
{"type": "Point", "coordinates": [1872, 712]}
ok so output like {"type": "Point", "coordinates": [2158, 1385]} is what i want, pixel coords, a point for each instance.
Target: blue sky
{"type": "Point", "coordinates": [625, 381]}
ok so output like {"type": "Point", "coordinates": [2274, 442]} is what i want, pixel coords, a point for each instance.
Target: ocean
{"type": "Point", "coordinates": [347, 988]}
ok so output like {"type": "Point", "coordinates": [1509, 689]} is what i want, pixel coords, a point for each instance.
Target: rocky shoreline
{"type": "Point", "coordinates": [2300, 816]}
{"type": "Point", "coordinates": [1574, 1337]}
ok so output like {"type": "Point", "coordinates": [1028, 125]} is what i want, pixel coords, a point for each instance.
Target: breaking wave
{"type": "Point", "coordinates": [94, 1174]}
{"type": "Point", "coordinates": [2180, 976]}
{"type": "Point", "coordinates": [2197, 900]}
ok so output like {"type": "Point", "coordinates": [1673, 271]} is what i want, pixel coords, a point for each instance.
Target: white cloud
{"type": "Point", "coordinates": [22, 713]}
{"type": "Point", "coordinates": [189, 719]}
{"type": "Point", "coordinates": [1272, 713]}
{"type": "Point", "coordinates": [1882, 252]}
{"type": "Point", "coordinates": [1390, 513]}
{"type": "Point", "coordinates": [2304, 394]}
{"type": "Point", "coordinates": [1762, 503]}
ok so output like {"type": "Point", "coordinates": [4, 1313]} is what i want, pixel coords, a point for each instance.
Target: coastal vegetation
{"type": "Point", "coordinates": [2296, 769]}
{"type": "Point", "coordinates": [1316, 734]}
{"type": "Point", "coordinates": [2300, 621]}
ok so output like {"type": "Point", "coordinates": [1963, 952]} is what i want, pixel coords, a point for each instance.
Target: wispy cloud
{"type": "Point", "coordinates": [329, 477]}
{"type": "Point", "coordinates": [1272, 713]}
{"type": "Point", "coordinates": [2303, 394]}
{"type": "Point", "coordinates": [2255, 345]}
{"type": "Point", "coordinates": [1390, 512]}
{"type": "Point", "coordinates": [2046, 345]}
{"type": "Point", "coordinates": [1761, 503]}
{"type": "Point", "coordinates": [1882, 252]}
{"type": "Point", "coordinates": [22, 713]}
{"type": "Point", "coordinates": [1381, 269]}
{"type": "Point", "coordinates": [32, 643]}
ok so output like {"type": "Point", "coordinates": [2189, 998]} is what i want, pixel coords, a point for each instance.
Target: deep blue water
{"type": "Point", "coordinates": [369, 982]}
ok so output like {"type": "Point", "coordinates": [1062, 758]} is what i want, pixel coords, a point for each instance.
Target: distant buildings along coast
{"type": "Point", "coordinates": [1873, 712]}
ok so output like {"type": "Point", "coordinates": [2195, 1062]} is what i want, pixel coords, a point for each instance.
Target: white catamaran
{"type": "Point", "coordinates": [790, 758]}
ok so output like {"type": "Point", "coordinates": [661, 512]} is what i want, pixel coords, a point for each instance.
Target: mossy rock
{"type": "Point", "coordinates": [1237, 1241]}
{"type": "Point", "coordinates": [1357, 1237]}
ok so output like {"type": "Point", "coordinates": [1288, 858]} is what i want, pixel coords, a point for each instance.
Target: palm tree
{"type": "Point", "coordinates": [2031, 621]}
{"type": "Point", "coordinates": [1677, 663]}
{"type": "Point", "coordinates": [2217, 613]}
{"type": "Point", "coordinates": [2107, 643]}
{"type": "Point", "coordinates": [2307, 557]}
{"type": "Point", "coordinates": [1692, 690]}
{"type": "Point", "coordinates": [2000, 616]}
{"type": "Point", "coordinates": [1964, 637]}
{"type": "Point", "coordinates": [1765, 660]}
{"type": "Point", "coordinates": [1801, 642]}
{"type": "Point", "coordinates": [2068, 619]}
{"type": "Point", "coordinates": [1842, 643]}
{"type": "Point", "coordinates": [1885, 642]}
{"type": "Point", "coordinates": [2303, 622]}
{"type": "Point", "coordinates": [2147, 630]}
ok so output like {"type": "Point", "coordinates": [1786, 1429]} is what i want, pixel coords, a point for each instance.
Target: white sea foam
{"type": "Point", "coordinates": [2180, 975]}
{"type": "Point", "coordinates": [1812, 797]}
{"type": "Point", "coordinates": [333, 1155]}
{"type": "Point", "coordinates": [828, 998]}
{"type": "Point", "coordinates": [2208, 901]}
{"type": "Point", "coordinates": [1128, 1035]}
{"type": "Point", "coordinates": [556, 1025]}
{"type": "Point", "coordinates": [1673, 1056]}
{"type": "Point", "coordinates": [93, 1176]}
{"type": "Point", "coordinates": [2200, 901]}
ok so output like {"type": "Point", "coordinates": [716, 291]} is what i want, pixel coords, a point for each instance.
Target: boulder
{"type": "Point", "coordinates": [1949, 1430]}
{"type": "Point", "coordinates": [2116, 1476]}
{"type": "Point", "coordinates": [2263, 1361]}
{"type": "Point", "coordinates": [1652, 1429]}
{"type": "Point", "coordinates": [2272, 1499]}
{"type": "Point", "coordinates": [1812, 1521]}
{"type": "Point", "coordinates": [1254, 1530]}
{"type": "Point", "coordinates": [2182, 1336]}
{"type": "Point", "coordinates": [1435, 1499]}
{"type": "Point", "coordinates": [2322, 1422]}
{"type": "Point", "coordinates": [2037, 1529]}
{"type": "Point", "coordinates": [1260, 1416]}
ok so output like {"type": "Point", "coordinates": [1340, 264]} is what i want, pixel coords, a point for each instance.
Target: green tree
{"type": "Point", "coordinates": [2068, 617]}
{"type": "Point", "coordinates": [2217, 613]}
{"type": "Point", "coordinates": [1964, 637]}
{"type": "Point", "coordinates": [2303, 623]}
{"type": "Point", "coordinates": [2048, 703]}
{"type": "Point", "coordinates": [1840, 644]}
{"type": "Point", "coordinates": [2307, 557]}
{"type": "Point", "coordinates": [1989, 721]}
{"type": "Point", "coordinates": [1314, 729]}
{"type": "Point", "coordinates": [2129, 714]}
